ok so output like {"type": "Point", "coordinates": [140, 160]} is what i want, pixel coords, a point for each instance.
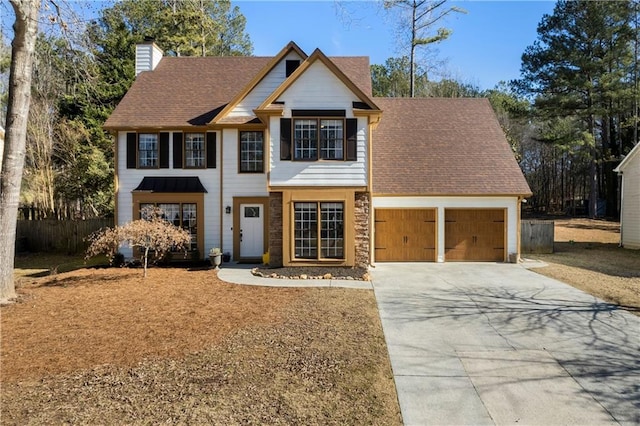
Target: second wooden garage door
{"type": "Point", "coordinates": [474, 235]}
{"type": "Point", "coordinates": [405, 235]}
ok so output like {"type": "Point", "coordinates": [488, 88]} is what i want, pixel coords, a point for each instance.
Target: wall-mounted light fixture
{"type": "Point", "coordinates": [227, 209]}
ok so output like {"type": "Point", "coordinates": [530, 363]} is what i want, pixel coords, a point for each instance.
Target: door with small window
{"type": "Point", "coordinates": [251, 230]}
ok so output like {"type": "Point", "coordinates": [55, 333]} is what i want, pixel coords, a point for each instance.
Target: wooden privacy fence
{"type": "Point", "coordinates": [537, 236]}
{"type": "Point", "coordinates": [57, 235]}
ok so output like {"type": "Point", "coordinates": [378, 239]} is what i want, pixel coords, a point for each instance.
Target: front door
{"type": "Point", "coordinates": [251, 230]}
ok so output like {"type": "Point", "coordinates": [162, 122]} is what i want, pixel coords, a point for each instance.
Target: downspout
{"type": "Point", "coordinates": [116, 182]}
{"type": "Point", "coordinates": [519, 230]}
{"type": "Point", "coordinates": [370, 190]}
{"type": "Point", "coordinates": [621, 206]}
{"type": "Point", "coordinates": [221, 207]}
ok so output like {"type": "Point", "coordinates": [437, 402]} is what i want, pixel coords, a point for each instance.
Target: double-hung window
{"type": "Point", "coordinates": [194, 150]}
{"type": "Point", "coordinates": [251, 152]}
{"type": "Point", "coordinates": [319, 230]}
{"type": "Point", "coordinates": [148, 150]}
{"type": "Point", "coordinates": [318, 138]}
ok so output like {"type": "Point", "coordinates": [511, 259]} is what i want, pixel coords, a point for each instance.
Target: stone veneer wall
{"type": "Point", "coordinates": [362, 228]}
{"type": "Point", "coordinates": [275, 229]}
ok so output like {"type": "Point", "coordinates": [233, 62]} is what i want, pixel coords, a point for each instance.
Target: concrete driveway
{"type": "Point", "coordinates": [499, 344]}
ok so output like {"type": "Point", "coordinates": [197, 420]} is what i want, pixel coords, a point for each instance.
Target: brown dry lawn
{"type": "Point", "coordinates": [105, 346]}
{"type": "Point", "coordinates": [587, 257]}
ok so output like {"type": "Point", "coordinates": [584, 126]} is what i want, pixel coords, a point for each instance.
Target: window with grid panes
{"type": "Point", "coordinates": [318, 138]}
{"type": "Point", "coordinates": [251, 152]}
{"type": "Point", "coordinates": [194, 150]}
{"type": "Point", "coordinates": [147, 150]}
{"type": "Point", "coordinates": [331, 139]}
{"type": "Point", "coordinates": [329, 225]}
{"type": "Point", "coordinates": [182, 215]}
{"type": "Point", "coordinates": [305, 139]}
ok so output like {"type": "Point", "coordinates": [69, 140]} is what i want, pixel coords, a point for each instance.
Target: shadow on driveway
{"type": "Point", "coordinates": [513, 345]}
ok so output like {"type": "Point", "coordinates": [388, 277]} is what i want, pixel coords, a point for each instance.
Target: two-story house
{"type": "Point", "coordinates": [292, 155]}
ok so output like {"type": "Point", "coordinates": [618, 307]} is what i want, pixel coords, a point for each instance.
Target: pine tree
{"type": "Point", "coordinates": [579, 67]}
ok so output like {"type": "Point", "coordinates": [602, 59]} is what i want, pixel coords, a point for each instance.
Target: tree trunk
{"type": "Point", "coordinates": [412, 59]}
{"type": "Point", "coordinates": [22, 48]}
{"type": "Point", "coordinates": [146, 257]}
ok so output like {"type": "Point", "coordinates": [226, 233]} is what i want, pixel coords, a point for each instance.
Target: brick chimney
{"type": "Point", "coordinates": [148, 55]}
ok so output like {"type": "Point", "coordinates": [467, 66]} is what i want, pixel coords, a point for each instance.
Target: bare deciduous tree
{"type": "Point", "coordinates": [25, 30]}
{"type": "Point", "coordinates": [421, 17]}
{"type": "Point", "coordinates": [151, 235]}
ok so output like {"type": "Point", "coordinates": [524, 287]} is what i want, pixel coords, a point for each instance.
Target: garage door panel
{"type": "Point", "coordinates": [474, 234]}
{"type": "Point", "coordinates": [388, 235]}
{"type": "Point", "coordinates": [407, 235]}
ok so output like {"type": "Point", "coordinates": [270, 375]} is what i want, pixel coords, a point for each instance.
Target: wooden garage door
{"type": "Point", "coordinates": [405, 235]}
{"type": "Point", "coordinates": [474, 235]}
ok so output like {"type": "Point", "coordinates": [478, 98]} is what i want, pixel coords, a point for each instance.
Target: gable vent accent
{"type": "Point", "coordinates": [291, 65]}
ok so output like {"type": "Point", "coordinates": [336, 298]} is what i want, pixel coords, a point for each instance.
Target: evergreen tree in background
{"type": "Point", "coordinates": [80, 74]}
{"type": "Point", "coordinates": [580, 71]}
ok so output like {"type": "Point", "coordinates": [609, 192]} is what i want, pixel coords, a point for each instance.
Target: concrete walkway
{"type": "Point", "coordinates": [498, 344]}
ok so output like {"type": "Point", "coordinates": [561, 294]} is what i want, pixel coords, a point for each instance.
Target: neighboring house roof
{"type": "Point", "coordinates": [627, 159]}
{"type": "Point", "coordinates": [440, 146]}
{"type": "Point", "coordinates": [191, 91]}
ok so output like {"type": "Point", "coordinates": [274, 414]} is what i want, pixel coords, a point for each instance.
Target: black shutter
{"type": "Point", "coordinates": [211, 150]}
{"type": "Point", "coordinates": [285, 139]}
{"type": "Point", "coordinates": [132, 142]}
{"type": "Point", "coordinates": [352, 139]}
{"type": "Point", "coordinates": [177, 150]}
{"type": "Point", "coordinates": [164, 150]}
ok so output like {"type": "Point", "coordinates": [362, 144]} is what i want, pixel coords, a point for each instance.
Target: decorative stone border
{"type": "Point", "coordinates": [256, 272]}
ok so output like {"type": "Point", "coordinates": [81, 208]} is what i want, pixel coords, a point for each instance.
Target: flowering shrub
{"type": "Point", "coordinates": [152, 236]}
